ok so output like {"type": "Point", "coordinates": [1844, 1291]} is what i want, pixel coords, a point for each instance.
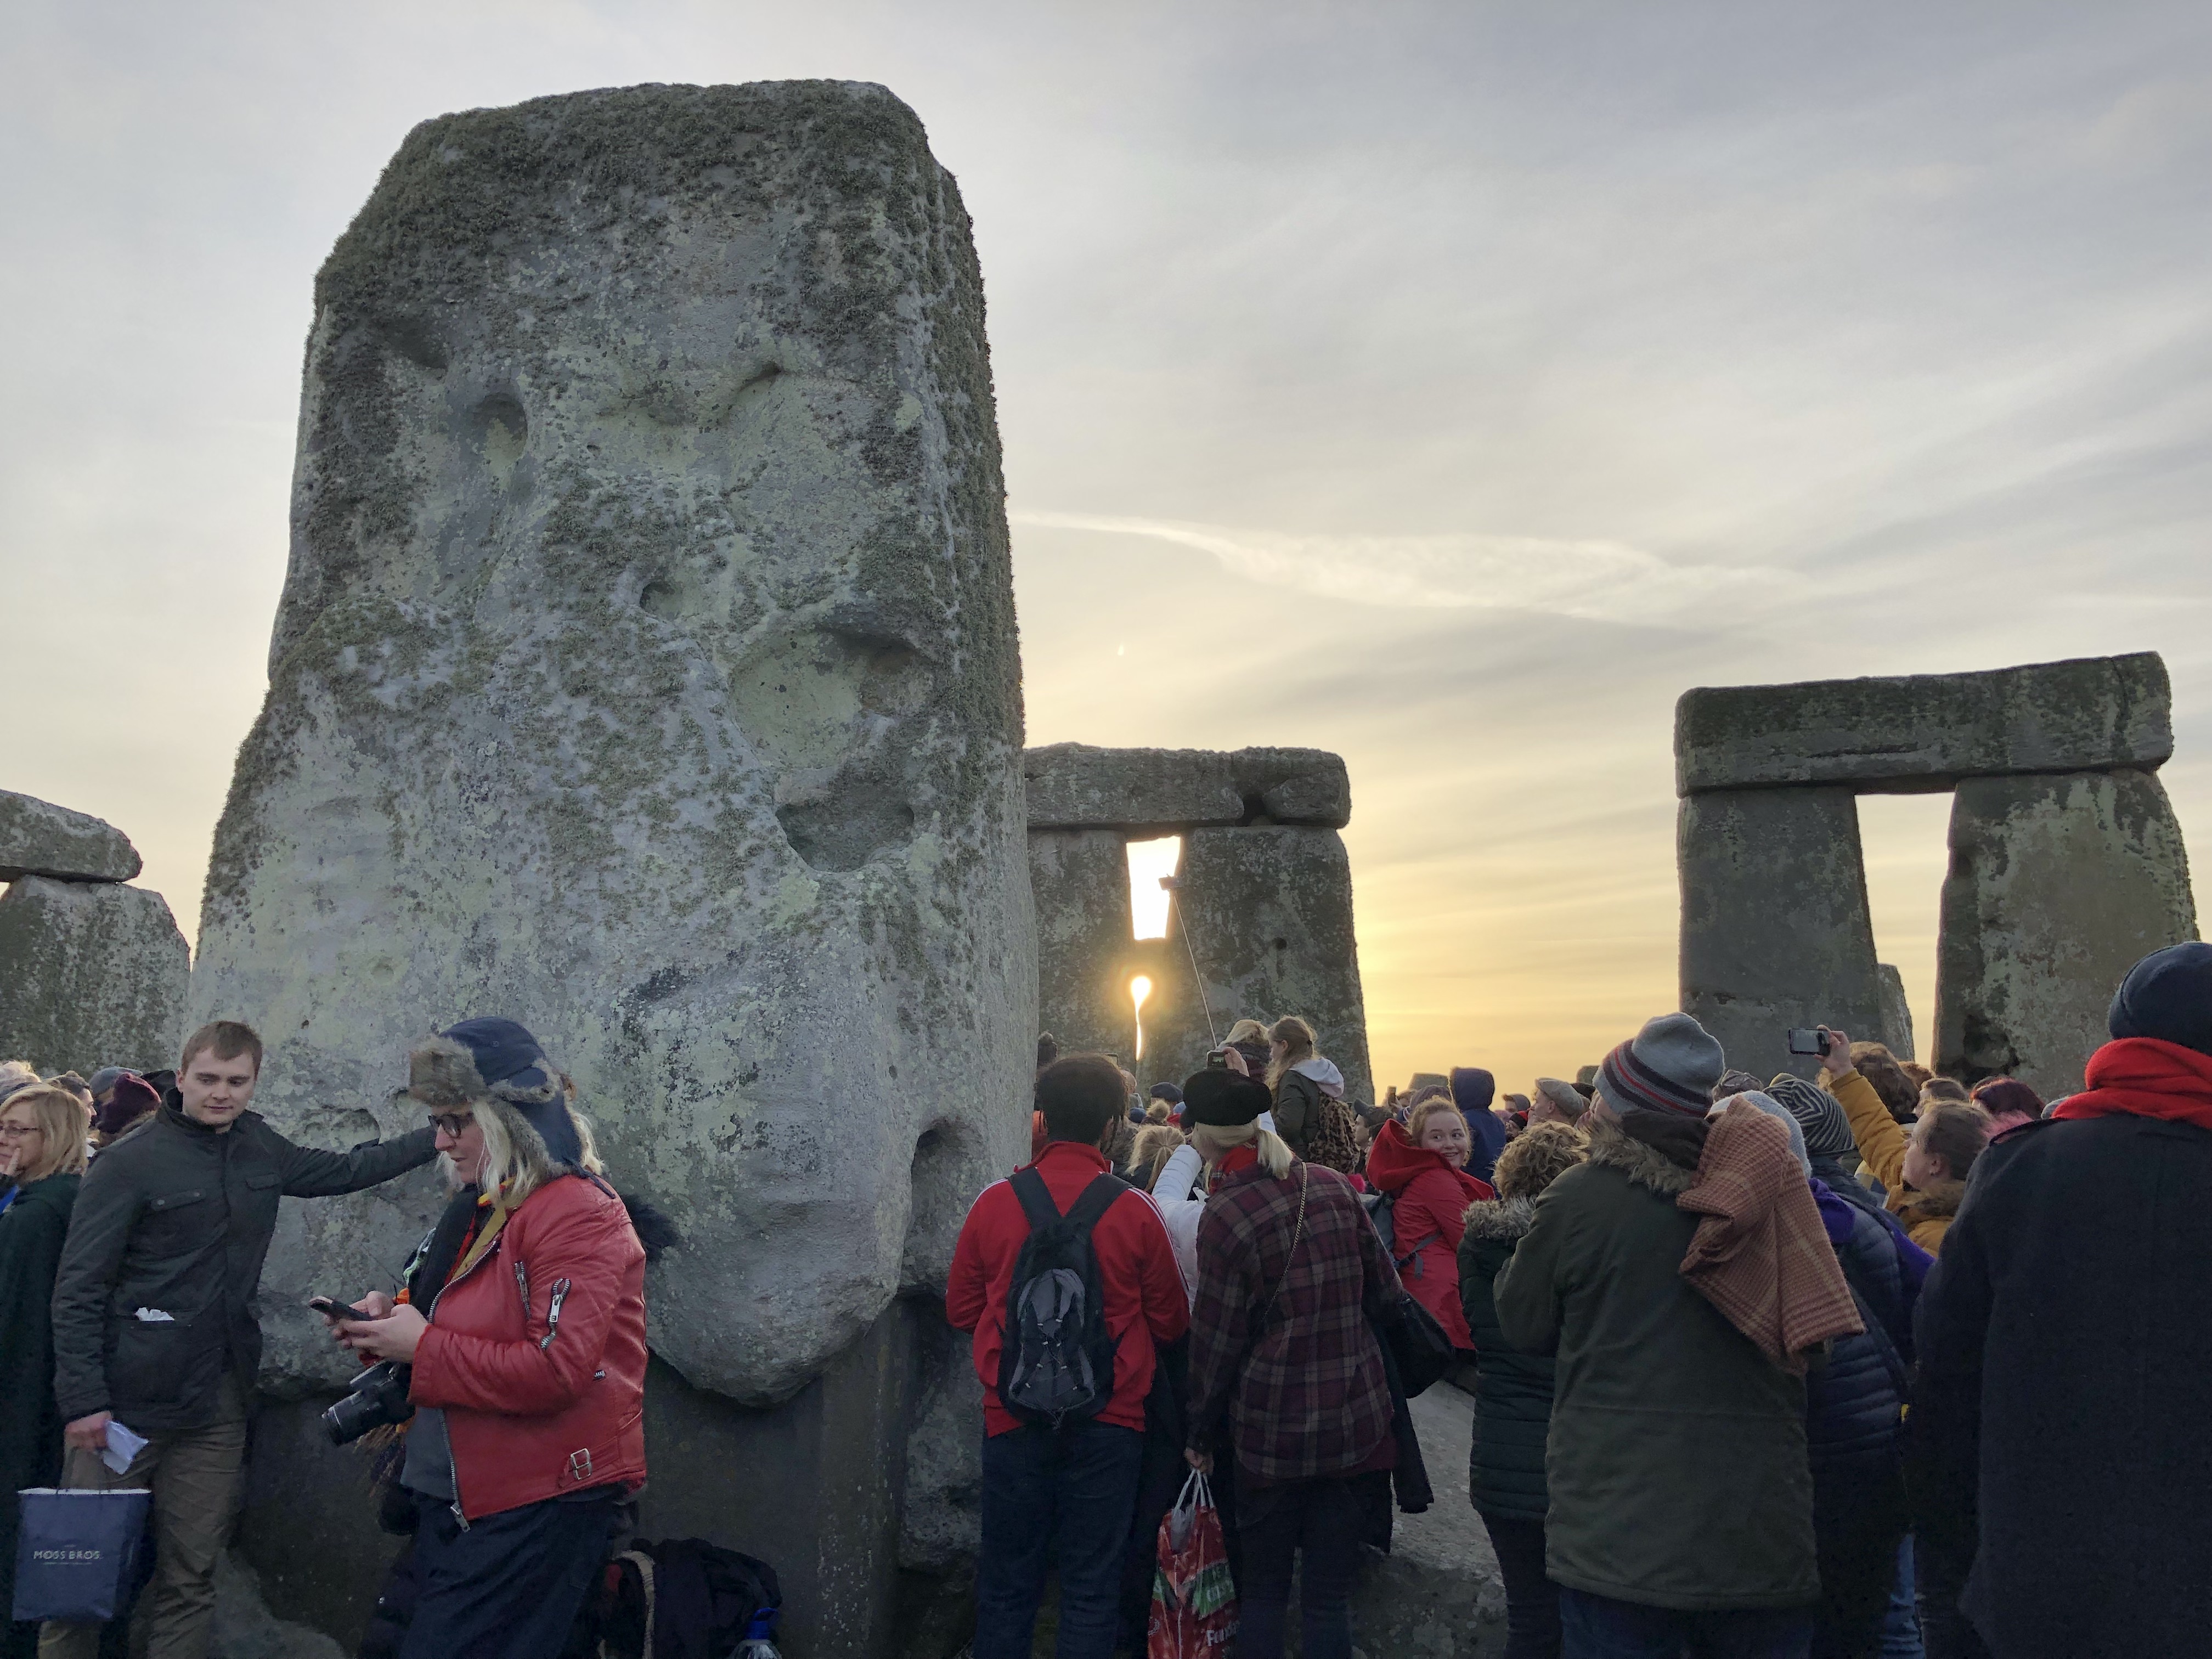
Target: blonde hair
{"type": "Point", "coordinates": [1537, 1157]}
{"type": "Point", "coordinates": [1215, 1141]}
{"type": "Point", "coordinates": [66, 1123]}
{"type": "Point", "coordinates": [1155, 1144]}
{"type": "Point", "coordinates": [1417, 1121]}
{"type": "Point", "coordinates": [1297, 1039]}
{"type": "Point", "coordinates": [1158, 1112]}
{"type": "Point", "coordinates": [1246, 1030]}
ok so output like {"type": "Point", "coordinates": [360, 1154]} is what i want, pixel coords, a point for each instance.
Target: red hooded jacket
{"type": "Point", "coordinates": [1146, 1302]}
{"type": "Point", "coordinates": [1428, 1213]}
{"type": "Point", "coordinates": [538, 1404]}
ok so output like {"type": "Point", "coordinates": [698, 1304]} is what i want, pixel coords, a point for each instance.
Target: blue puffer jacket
{"type": "Point", "coordinates": [1854, 1405]}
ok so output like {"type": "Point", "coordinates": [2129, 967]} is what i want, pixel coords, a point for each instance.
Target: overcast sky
{"type": "Point", "coordinates": [1447, 386]}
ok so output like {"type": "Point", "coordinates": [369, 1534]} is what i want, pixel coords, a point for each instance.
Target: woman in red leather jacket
{"type": "Point", "coordinates": [523, 1320]}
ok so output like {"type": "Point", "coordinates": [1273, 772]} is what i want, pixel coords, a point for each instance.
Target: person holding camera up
{"type": "Point", "coordinates": [154, 1325]}
{"type": "Point", "coordinates": [517, 1358]}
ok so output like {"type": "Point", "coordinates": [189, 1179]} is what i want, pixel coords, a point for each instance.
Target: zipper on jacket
{"type": "Point", "coordinates": [522, 1284]}
{"type": "Point", "coordinates": [553, 1313]}
{"type": "Point", "coordinates": [453, 1464]}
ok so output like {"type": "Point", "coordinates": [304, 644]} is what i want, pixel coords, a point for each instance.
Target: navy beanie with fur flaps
{"type": "Point", "coordinates": [496, 1060]}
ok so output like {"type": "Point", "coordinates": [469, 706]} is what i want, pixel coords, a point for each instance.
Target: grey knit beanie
{"type": "Point", "coordinates": [1827, 1131]}
{"type": "Point", "coordinates": [1670, 1066]}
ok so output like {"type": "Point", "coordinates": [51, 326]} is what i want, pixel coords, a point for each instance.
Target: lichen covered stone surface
{"type": "Point", "coordinates": [1076, 786]}
{"type": "Point", "coordinates": [91, 974]}
{"type": "Point", "coordinates": [645, 670]}
{"type": "Point", "coordinates": [1776, 928]}
{"type": "Point", "coordinates": [2058, 884]}
{"type": "Point", "coordinates": [1924, 732]}
{"type": "Point", "coordinates": [38, 838]}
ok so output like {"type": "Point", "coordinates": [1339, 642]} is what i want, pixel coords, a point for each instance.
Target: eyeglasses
{"type": "Point", "coordinates": [450, 1124]}
{"type": "Point", "coordinates": [17, 1131]}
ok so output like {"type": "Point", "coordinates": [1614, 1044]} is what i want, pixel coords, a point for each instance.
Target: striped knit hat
{"type": "Point", "coordinates": [1670, 1066]}
{"type": "Point", "coordinates": [1827, 1131]}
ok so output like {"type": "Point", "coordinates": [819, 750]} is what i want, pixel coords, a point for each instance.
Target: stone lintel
{"type": "Point", "coordinates": [1923, 733]}
{"type": "Point", "coordinates": [1078, 786]}
{"type": "Point", "coordinates": [38, 838]}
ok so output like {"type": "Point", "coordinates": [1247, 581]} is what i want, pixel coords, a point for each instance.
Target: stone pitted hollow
{"type": "Point", "coordinates": [1074, 786]}
{"type": "Point", "coordinates": [38, 838]}
{"type": "Point", "coordinates": [92, 974]}
{"type": "Point", "coordinates": [2058, 884]}
{"type": "Point", "coordinates": [646, 670]}
{"type": "Point", "coordinates": [1775, 929]}
{"type": "Point", "coordinates": [1919, 732]}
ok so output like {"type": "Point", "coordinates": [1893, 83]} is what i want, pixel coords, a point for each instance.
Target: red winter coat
{"type": "Point", "coordinates": [1146, 1303]}
{"type": "Point", "coordinates": [536, 1407]}
{"type": "Point", "coordinates": [1428, 1214]}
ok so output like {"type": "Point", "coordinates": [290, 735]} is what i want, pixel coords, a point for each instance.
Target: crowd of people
{"type": "Point", "coordinates": [1877, 1363]}
{"type": "Point", "coordinates": [507, 1372]}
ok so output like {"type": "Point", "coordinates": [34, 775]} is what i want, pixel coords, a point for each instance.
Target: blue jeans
{"type": "Point", "coordinates": [1599, 1628]}
{"type": "Point", "coordinates": [1054, 1497]}
{"type": "Point", "coordinates": [1901, 1632]}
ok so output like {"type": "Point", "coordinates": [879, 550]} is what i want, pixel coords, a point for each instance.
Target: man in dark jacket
{"type": "Point", "coordinates": [2065, 1347]}
{"type": "Point", "coordinates": [1681, 1496]}
{"type": "Point", "coordinates": [154, 1325]}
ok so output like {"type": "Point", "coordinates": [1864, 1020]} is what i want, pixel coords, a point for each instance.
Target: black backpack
{"type": "Point", "coordinates": [680, 1599]}
{"type": "Point", "coordinates": [1057, 1362]}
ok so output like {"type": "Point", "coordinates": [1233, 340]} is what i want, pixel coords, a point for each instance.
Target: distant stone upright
{"type": "Point", "coordinates": [645, 670]}
{"type": "Point", "coordinates": [92, 973]}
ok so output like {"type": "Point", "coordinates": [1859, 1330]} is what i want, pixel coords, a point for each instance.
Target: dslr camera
{"type": "Point", "coordinates": [377, 1396]}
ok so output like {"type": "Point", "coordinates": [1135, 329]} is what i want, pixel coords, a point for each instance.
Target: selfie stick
{"type": "Point", "coordinates": [1173, 884]}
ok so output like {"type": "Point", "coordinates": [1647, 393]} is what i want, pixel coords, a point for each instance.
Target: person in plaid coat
{"type": "Point", "coordinates": [1285, 1372]}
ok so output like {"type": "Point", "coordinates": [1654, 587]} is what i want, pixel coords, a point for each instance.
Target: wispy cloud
{"type": "Point", "coordinates": [1595, 580]}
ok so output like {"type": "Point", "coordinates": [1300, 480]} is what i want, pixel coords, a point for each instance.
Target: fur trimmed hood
{"type": "Point", "coordinates": [1614, 1147]}
{"type": "Point", "coordinates": [1937, 1201]}
{"type": "Point", "coordinates": [1499, 1218]}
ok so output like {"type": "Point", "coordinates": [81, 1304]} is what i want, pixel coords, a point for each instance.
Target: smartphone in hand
{"type": "Point", "coordinates": [330, 1308]}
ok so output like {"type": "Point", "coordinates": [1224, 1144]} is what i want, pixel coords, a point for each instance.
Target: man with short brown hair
{"type": "Point", "coordinates": [153, 1312]}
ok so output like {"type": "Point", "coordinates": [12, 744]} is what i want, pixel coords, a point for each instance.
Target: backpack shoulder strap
{"type": "Point", "coordinates": [1098, 1198]}
{"type": "Point", "coordinates": [1036, 1197]}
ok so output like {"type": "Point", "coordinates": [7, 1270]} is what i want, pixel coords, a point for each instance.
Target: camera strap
{"type": "Point", "coordinates": [481, 1247]}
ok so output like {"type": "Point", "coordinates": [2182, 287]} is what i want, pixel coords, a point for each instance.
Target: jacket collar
{"type": "Point", "coordinates": [1936, 1198]}
{"type": "Point", "coordinates": [1649, 1153]}
{"type": "Point", "coordinates": [1064, 1150]}
{"type": "Point", "coordinates": [1499, 1218]}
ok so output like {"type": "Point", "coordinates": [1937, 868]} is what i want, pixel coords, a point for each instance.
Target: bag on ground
{"type": "Point", "coordinates": [75, 1552]}
{"type": "Point", "coordinates": [1193, 1600]}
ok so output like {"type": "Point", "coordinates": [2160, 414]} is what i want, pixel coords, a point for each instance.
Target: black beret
{"type": "Point", "coordinates": [1219, 1096]}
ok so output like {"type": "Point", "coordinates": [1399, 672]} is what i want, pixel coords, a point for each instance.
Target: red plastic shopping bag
{"type": "Point", "coordinates": [1194, 1601]}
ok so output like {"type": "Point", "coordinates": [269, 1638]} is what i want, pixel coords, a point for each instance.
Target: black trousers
{"type": "Point", "coordinates": [508, 1586]}
{"type": "Point", "coordinates": [1321, 1521]}
{"type": "Point", "coordinates": [1532, 1600]}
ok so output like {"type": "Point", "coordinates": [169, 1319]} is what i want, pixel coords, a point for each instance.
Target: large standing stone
{"type": "Point", "coordinates": [1269, 915]}
{"type": "Point", "coordinates": [1087, 950]}
{"type": "Point", "coordinates": [2058, 885]}
{"type": "Point", "coordinates": [646, 670]}
{"type": "Point", "coordinates": [1776, 931]}
{"type": "Point", "coordinates": [1924, 732]}
{"type": "Point", "coordinates": [91, 974]}
{"type": "Point", "coordinates": [1897, 1011]}
{"type": "Point", "coordinates": [38, 838]}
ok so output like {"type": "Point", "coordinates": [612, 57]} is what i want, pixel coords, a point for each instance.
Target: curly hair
{"type": "Point", "coordinates": [1537, 1157]}
{"type": "Point", "coordinates": [1417, 1121]}
{"type": "Point", "coordinates": [1878, 1066]}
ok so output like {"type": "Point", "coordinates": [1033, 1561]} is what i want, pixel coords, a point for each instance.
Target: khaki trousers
{"type": "Point", "coordinates": [194, 1474]}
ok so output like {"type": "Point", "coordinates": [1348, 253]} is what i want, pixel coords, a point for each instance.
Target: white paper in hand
{"type": "Point", "coordinates": [122, 1447]}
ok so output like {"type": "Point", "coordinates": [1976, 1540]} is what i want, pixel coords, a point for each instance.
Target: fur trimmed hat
{"type": "Point", "coordinates": [496, 1060]}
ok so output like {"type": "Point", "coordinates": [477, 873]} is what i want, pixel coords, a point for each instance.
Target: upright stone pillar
{"type": "Point", "coordinates": [645, 670]}
{"type": "Point", "coordinates": [2059, 883]}
{"type": "Point", "coordinates": [1776, 931]}
{"type": "Point", "coordinates": [1269, 911]}
{"type": "Point", "coordinates": [1088, 952]}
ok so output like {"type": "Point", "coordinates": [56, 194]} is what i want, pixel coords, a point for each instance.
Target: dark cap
{"type": "Point", "coordinates": [1223, 1098]}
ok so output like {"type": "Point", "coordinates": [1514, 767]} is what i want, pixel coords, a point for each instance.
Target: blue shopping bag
{"type": "Point", "coordinates": [75, 1553]}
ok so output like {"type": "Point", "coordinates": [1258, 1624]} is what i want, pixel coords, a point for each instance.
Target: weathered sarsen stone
{"type": "Point", "coordinates": [1913, 733]}
{"type": "Point", "coordinates": [1775, 929]}
{"type": "Point", "coordinates": [2058, 884]}
{"type": "Point", "coordinates": [1075, 785]}
{"type": "Point", "coordinates": [646, 670]}
{"type": "Point", "coordinates": [38, 838]}
{"type": "Point", "coordinates": [92, 974]}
